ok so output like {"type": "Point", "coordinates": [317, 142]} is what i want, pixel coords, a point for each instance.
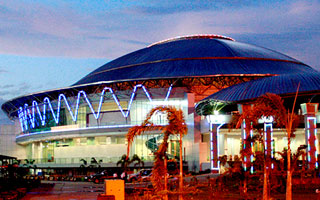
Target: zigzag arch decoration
{"type": "Point", "coordinates": [27, 116]}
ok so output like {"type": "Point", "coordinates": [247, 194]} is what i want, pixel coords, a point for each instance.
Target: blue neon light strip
{"type": "Point", "coordinates": [315, 141]}
{"type": "Point", "coordinates": [266, 125]}
{"type": "Point", "coordinates": [26, 115]}
{"type": "Point", "coordinates": [251, 157]}
{"type": "Point", "coordinates": [211, 147]}
{"type": "Point", "coordinates": [244, 136]}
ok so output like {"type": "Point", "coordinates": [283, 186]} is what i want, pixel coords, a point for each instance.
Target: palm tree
{"type": "Point", "coordinates": [83, 166]}
{"type": "Point", "coordinates": [29, 163]}
{"type": "Point", "coordinates": [136, 158]}
{"type": "Point", "coordinates": [84, 163]}
{"type": "Point", "coordinates": [123, 162]}
{"type": "Point", "coordinates": [295, 157]}
{"type": "Point", "coordinates": [176, 126]}
{"type": "Point", "coordinates": [272, 105]}
{"type": "Point", "coordinates": [94, 163]}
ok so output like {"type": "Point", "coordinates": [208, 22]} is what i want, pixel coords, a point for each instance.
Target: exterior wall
{"type": "Point", "coordinates": [57, 149]}
{"type": "Point", "coordinates": [98, 151]}
{"type": "Point", "coordinates": [193, 138]}
{"type": "Point", "coordinates": [230, 143]}
{"type": "Point", "coordinates": [8, 145]}
{"type": "Point", "coordinates": [196, 146]}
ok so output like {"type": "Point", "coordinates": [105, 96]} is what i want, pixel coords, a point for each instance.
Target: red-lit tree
{"type": "Point", "coordinates": [272, 105]}
{"type": "Point", "coordinates": [176, 126]}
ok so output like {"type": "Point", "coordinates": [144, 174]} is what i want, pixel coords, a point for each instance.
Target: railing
{"type": "Point", "coordinates": [99, 125]}
{"type": "Point", "coordinates": [80, 162]}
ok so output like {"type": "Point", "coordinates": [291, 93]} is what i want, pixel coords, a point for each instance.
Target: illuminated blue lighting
{"type": "Point", "coordinates": [244, 137]}
{"type": "Point", "coordinates": [244, 130]}
{"type": "Point", "coordinates": [168, 93]}
{"type": "Point", "coordinates": [251, 168]}
{"type": "Point", "coordinates": [27, 116]}
{"type": "Point", "coordinates": [21, 120]}
{"type": "Point", "coordinates": [266, 126]}
{"type": "Point", "coordinates": [315, 141]}
{"type": "Point", "coordinates": [251, 157]}
{"type": "Point", "coordinates": [211, 147]}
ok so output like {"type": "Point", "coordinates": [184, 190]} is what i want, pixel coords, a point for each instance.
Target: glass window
{"type": "Point", "coordinates": [101, 140]}
{"type": "Point", "coordinates": [90, 141]}
{"type": "Point", "coordinates": [108, 140]}
{"type": "Point", "coordinates": [83, 141]}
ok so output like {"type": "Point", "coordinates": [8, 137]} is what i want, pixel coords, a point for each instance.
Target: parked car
{"type": "Point", "coordinates": [142, 175]}
{"type": "Point", "coordinates": [99, 177]}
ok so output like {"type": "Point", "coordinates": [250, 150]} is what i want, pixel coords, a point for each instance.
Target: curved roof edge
{"type": "Point", "coordinates": [185, 37]}
{"type": "Point", "coordinates": [282, 85]}
{"type": "Point", "coordinates": [11, 105]}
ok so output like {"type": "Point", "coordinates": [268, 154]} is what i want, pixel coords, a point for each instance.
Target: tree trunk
{"type": "Point", "coordinates": [289, 181]}
{"type": "Point", "coordinates": [165, 179]}
{"type": "Point", "coordinates": [265, 183]}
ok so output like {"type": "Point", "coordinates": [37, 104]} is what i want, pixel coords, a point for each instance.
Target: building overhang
{"type": "Point", "coordinates": [73, 133]}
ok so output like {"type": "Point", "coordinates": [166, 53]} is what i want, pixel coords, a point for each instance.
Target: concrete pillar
{"type": "Point", "coordinates": [214, 147]}
{"type": "Point", "coordinates": [41, 158]}
{"type": "Point", "coordinates": [309, 111]}
{"type": "Point", "coordinates": [247, 161]}
{"type": "Point", "coordinates": [33, 153]}
{"type": "Point", "coordinates": [193, 139]}
{"type": "Point", "coordinates": [216, 122]}
{"type": "Point", "coordinates": [268, 138]}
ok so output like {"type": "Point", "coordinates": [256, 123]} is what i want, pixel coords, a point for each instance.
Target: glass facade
{"type": "Point", "coordinates": [109, 113]}
{"type": "Point", "coordinates": [105, 146]}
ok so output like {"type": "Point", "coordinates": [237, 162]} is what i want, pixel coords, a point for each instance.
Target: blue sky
{"type": "Point", "coordinates": [51, 44]}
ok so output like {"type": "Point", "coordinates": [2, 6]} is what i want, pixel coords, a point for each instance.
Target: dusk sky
{"type": "Point", "coordinates": [48, 44]}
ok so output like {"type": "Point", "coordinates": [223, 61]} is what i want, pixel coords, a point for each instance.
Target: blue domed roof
{"type": "Point", "coordinates": [281, 85]}
{"type": "Point", "coordinates": [182, 57]}
{"type": "Point", "coordinates": [194, 56]}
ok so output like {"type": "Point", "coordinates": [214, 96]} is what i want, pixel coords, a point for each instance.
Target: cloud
{"type": "Point", "coordinates": [3, 71]}
{"type": "Point", "coordinates": [8, 86]}
{"type": "Point", "coordinates": [13, 90]}
{"type": "Point", "coordinates": [303, 7]}
{"type": "Point", "coordinates": [179, 6]}
{"type": "Point", "coordinates": [113, 30]}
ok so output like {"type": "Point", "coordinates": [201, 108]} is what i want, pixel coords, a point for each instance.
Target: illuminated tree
{"type": "Point", "coordinates": [176, 126]}
{"type": "Point", "coordinates": [272, 105]}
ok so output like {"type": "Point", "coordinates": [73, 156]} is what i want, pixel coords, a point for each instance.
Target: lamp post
{"type": "Point", "coordinates": [215, 121]}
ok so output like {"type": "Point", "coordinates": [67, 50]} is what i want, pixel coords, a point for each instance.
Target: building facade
{"type": "Point", "coordinates": [63, 127]}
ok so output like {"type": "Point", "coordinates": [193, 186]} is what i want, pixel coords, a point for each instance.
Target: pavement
{"type": "Point", "coordinates": [66, 190]}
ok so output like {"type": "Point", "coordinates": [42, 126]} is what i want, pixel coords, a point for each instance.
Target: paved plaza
{"type": "Point", "coordinates": [66, 190]}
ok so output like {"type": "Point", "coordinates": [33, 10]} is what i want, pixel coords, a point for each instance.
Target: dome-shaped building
{"type": "Point", "coordinates": [59, 128]}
